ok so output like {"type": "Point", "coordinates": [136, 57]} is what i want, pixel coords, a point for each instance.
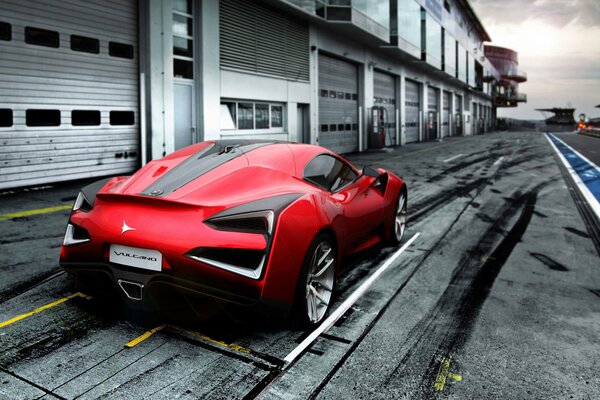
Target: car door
{"type": "Point", "coordinates": [356, 207]}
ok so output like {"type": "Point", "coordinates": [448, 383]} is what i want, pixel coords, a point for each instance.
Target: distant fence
{"type": "Point", "coordinates": [590, 131]}
{"type": "Point", "coordinates": [510, 124]}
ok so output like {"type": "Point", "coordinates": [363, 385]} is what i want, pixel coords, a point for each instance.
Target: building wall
{"type": "Point", "coordinates": [217, 83]}
{"type": "Point", "coordinates": [178, 106]}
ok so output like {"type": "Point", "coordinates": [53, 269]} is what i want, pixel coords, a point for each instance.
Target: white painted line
{"type": "Point", "coordinates": [591, 199]}
{"type": "Point", "coordinates": [452, 158]}
{"type": "Point", "coordinates": [498, 161]}
{"type": "Point", "coordinates": [584, 158]}
{"type": "Point", "coordinates": [341, 310]}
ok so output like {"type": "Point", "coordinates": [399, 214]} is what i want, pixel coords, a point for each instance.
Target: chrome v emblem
{"type": "Point", "coordinates": [126, 228]}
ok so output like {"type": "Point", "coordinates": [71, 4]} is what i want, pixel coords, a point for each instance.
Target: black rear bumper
{"type": "Point", "coordinates": [107, 279]}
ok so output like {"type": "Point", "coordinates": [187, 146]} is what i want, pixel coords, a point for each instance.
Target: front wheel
{"type": "Point", "coordinates": [316, 284]}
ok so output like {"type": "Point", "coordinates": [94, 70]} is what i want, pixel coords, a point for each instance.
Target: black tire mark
{"type": "Point", "coordinates": [577, 232]}
{"type": "Point", "coordinates": [458, 167]}
{"type": "Point", "coordinates": [432, 203]}
{"type": "Point", "coordinates": [550, 263]}
{"type": "Point", "coordinates": [448, 325]}
{"type": "Point", "coordinates": [29, 284]}
{"type": "Point", "coordinates": [477, 290]}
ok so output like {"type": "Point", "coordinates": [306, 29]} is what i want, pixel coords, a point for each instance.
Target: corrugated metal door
{"type": "Point", "coordinates": [384, 92]}
{"type": "Point", "coordinates": [412, 105]}
{"type": "Point", "coordinates": [446, 114]}
{"type": "Point", "coordinates": [432, 114]}
{"type": "Point", "coordinates": [257, 38]}
{"type": "Point", "coordinates": [338, 104]}
{"type": "Point", "coordinates": [458, 115]}
{"type": "Point", "coordinates": [69, 76]}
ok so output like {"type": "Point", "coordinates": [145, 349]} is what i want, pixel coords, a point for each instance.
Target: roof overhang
{"type": "Point", "coordinates": [475, 19]}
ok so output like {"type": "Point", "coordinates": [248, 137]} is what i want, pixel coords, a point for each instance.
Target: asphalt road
{"type": "Point", "coordinates": [499, 297]}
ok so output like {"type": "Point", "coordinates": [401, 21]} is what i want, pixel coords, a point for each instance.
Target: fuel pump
{"type": "Point", "coordinates": [379, 128]}
{"type": "Point", "coordinates": [431, 125]}
{"type": "Point", "coordinates": [458, 122]}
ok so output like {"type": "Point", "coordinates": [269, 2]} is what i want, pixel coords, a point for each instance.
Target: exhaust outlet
{"type": "Point", "coordinates": [133, 290]}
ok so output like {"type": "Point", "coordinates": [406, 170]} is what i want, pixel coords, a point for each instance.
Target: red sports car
{"type": "Point", "coordinates": [252, 223]}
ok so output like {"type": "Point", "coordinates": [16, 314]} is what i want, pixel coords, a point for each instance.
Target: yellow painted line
{"type": "Point", "coordinates": [36, 212]}
{"type": "Point", "coordinates": [42, 308]}
{"type": "Point", "coordinates": [456, 377]}
{"type": "Point", "coordinates": [143, 337]}
{"type": "Point", "coordinates": [231, 346]}
{"type": "Point", "coordinates": [444, 373]}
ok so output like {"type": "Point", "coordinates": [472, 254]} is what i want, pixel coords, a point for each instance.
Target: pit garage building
{"type": "Point", "coordinates": [101, 87]}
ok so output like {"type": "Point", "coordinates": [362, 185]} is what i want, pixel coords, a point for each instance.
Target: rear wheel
{"type": "Point", "coordinates": [399, 219]}
{"type": "Point", "coordinates": [316, 285]}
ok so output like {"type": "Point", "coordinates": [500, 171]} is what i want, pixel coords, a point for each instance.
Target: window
{"type": "Point", "coordinates": [260, 116]}
{"type": "Point", "coordinates": [6, 117]}
{"type": "Point", "coordinates": [184, 6]}
{"type": "Point", "coordinates": [182, 28]}
{"type": "Point", "coordinates": [120, 50]}
{"type": "Point", "coordinates": [276, 116]}
{"type": "Point", "coordinates": [409, 26]}
{"type": "Point", "coordinates": [329, 172]}
{"type": "Point", "coordinates": [324, 128]}
{"type": "Point", "coordinates": [447, 5]}
{"type": "Point", "coordinates": [122, 118]}
{"type": "Point", "coordinates": [324, 93]}
{"type": "Point", "coordinates": [85, 117]}
{"type": "Point", "coordinates": [42, 117]}
{"type": "Point", "coordinates": [5, 31]}
{"type": "Point", "coordinates": [432, 41]}
{"type": "Point", "coordinates": [41, 37]}
{"type": "Point", "coordinates": [228, 116]}
{"type": "Point", "coordinates": [85, 44]}
{"type": "Point", "coordinates": [245, 116]}
{"type": "Point", "coordinates": [183, 68]}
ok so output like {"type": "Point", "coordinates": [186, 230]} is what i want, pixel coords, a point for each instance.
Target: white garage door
{"type": "Point", "coordinates": [384, 91]}
{"type": "Point", "coordinates": [446, 113]}
{"type": "Point", "coordinates": [338, 104]}
{"type": "Point", "coordinates": [68, 90]}
{"type": "Point", "coordinates": [412, 105]}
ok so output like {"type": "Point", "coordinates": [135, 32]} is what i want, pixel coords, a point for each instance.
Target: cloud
{"type": "Point", "coordinates": [558, 13]}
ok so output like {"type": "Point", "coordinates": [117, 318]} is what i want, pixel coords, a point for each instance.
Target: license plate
{"type": "Point", "coordinates": [136, 257]}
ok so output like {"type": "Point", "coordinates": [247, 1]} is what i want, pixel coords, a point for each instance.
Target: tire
{"type": "Point", "coordinates": [316, 284]}
{"type": "Point", "coordinates": [399, 223]}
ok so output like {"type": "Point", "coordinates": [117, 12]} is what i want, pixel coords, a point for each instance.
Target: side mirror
{"type": "Point", "coordinates": [369, 171]}
{"type": "Point", "coordinates": [381, 180]}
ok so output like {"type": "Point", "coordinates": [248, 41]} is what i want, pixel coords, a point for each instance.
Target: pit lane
{"type": "Point", "coordinates": [497, 298]}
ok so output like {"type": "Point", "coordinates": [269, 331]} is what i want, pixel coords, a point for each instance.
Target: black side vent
{"type": "Point", "coordinates": [251, 225]}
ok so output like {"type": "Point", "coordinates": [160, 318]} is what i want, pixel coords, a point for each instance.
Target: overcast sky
{"type": "Point", "coordinates": [558, 42]}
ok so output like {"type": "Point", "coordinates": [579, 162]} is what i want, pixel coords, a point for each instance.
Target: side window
{"type": "Point", "coordinates": [5, 31]}
{"type": "Point", "coordinates": [42, 37]}
{"type": "Point", "coordinates": [329, 173]}
{"type": "Point", "coordinates": [85, 44]}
